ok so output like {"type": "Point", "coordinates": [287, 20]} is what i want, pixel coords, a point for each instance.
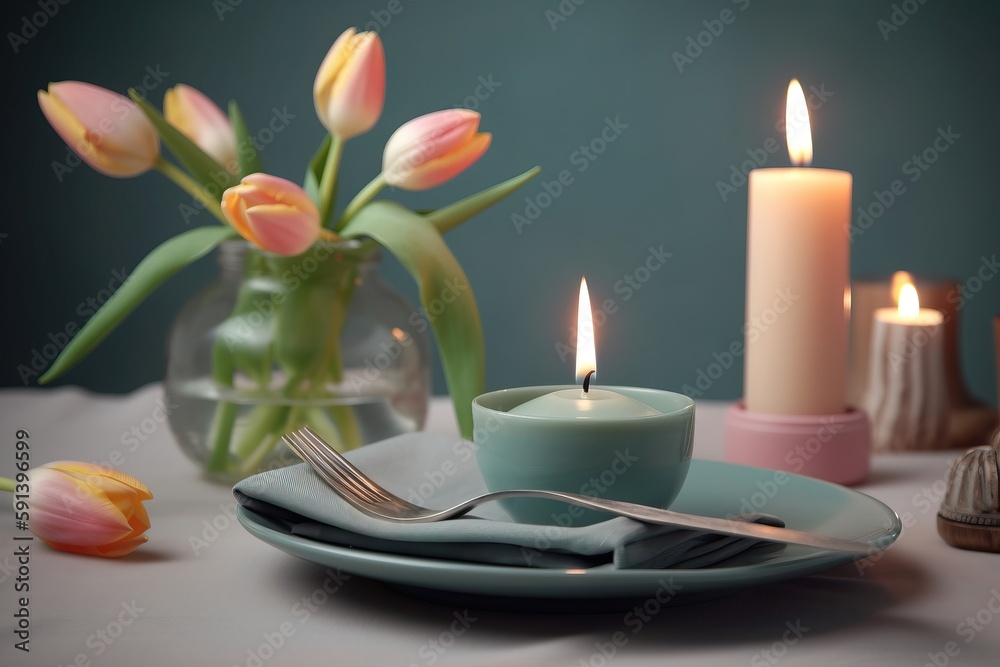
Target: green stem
{"type": "Point", "coordinates": [251, 463]}
{"type": "Point", "coordinates": [266, 427]}
{"type": "Point", "coordinates": [225, 412]}
{"type": "Point", "coordinates": [256, 456]}
{"type": "Point", "coordinates": [366, 195]}
{"type": "Point", "coordinates": [320, 421]}
{"type": "Point", "coordinates": [7, 484]}
{"type": "Point", "coordinates": [189, 185]}
{"type": "Point", "coordinates": [262, 422]}
{"type": "Point", "coordinates": [328, 183]}
{"type": "Point", "coordinates": [222, 433]}
{"type": "Point", "coordinates": [346, 421]}
{"type": "Point", "coordinates": [332, 363]}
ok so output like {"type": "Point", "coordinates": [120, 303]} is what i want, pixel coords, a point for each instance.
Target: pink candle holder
{"type": "Point", "coordinates": [835, 448]}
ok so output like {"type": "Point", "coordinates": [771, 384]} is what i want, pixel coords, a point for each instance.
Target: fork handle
{"type": "Point", "coordinates": [665, 517]}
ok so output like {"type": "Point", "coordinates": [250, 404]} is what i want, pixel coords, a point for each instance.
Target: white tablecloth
{"type": "Point", "coordinates": [203, 591]}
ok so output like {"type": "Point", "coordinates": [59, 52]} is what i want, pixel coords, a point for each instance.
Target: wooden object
{"type": "Point", "coordinates": [969, 517]}
{"type": "Point", "coordinates": [966, 536]}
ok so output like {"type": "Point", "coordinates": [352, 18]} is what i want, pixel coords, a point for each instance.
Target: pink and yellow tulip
{"type": "Point", "coordinates": [87, 509]}
{"type": "Point", "coordinates": [204, 123]}
{"type": "Point", "coordinates": [349, 89]}
{"type": "Point", "coordinates": [107, 130]}
{"type": "Point", "coordinates": [272, 213]}
{"type": "Point", "coordinates": [432, 149]}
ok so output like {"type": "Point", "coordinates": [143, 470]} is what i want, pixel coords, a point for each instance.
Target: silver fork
{"type": "Point", "coordinates": [368, 497]}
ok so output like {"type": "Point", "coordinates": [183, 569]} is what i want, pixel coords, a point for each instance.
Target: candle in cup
{"type": "Point", "coordinates": [586, 402]}
{"type": "Point", "coordinates": [798, 221]}
{"type": "Point", "coordinates": [623, 443]}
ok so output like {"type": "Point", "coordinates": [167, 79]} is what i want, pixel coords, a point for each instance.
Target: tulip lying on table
{"type": "Point", "coordinates": [82, 508]}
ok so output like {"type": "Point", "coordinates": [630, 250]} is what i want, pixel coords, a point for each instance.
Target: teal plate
{"type": "Point", "coordinates": [712, 489]}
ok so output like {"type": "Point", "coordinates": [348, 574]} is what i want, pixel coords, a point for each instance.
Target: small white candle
{"type": "Point", "coordinates": [798, 255]}
{"type": "Point", "coordinates": [906, 397]}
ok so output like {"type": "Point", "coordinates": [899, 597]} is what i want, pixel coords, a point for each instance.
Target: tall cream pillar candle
{"type": "Point", "coordinates": [798, 257]}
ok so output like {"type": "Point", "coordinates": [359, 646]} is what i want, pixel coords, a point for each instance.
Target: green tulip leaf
{"type": "Point", "coordinates": [314, 174]}
{"type": "Point", "coordinates": [246, 151]}
{"type": "Point", "coordinates": [164, 261]}
{"type": "Point", "coordinates": [419, 247]}
{"type": "Point", "coordinates": [213, 177]}
{"type": "Point", "coordinates": [449, 217]}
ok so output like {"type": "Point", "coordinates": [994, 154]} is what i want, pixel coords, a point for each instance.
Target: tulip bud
{"type": "Point", "coordinates": [87, 509]}
{"type": "Point", "coordinates": [201, 121]}
{"type": "Point", "coordinates": [108, 131]}
{"type": "Point", "coordinates": [432, 149]}
{"type": "Point", "coordinates": [272, 213]}
{"type": "Point", "coordinates": [350, 85]}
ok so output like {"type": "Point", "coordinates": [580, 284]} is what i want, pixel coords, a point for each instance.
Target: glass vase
{"type": "Point", "coordinates": [276, 343]}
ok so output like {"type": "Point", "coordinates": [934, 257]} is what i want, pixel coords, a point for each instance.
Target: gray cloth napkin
{"type": "Point", "coordinates": [438, 471]}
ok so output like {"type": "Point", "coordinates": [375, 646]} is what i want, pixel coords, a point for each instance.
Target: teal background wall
{"type": "Point", "coordinates": [556, 81]}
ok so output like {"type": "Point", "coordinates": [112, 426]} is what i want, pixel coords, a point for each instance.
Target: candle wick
{"type": "Point", "coordinates": [586, 381]}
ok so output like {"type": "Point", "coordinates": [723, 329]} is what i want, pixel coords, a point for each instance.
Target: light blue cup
{"type": "Point", "coordinates": [642, 460]}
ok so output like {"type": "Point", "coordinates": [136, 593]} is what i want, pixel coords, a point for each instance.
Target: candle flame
{"type": "Point", "coordinates": [899, 278]}
{"type": "Point", "coordinates": [797, 131]}
{"type": "Point", "coordinates": [909, 302]}
{"type": "Point", "coordinates": [586, 354]}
